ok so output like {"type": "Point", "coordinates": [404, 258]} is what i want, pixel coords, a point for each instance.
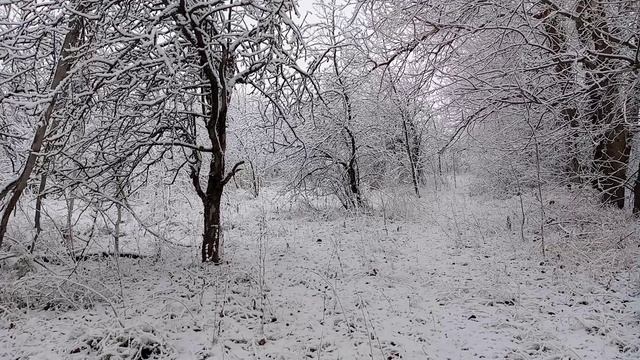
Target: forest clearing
{"type": "Point", "coordinates": [432, 278]}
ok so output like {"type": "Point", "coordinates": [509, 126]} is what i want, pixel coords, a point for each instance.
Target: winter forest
{"type": "Point", "coordinates": [320, 179]}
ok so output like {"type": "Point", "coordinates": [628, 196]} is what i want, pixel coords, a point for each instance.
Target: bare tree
{"type": "Point", "coordinates": [230, 43]}
{"type": "Point", "coordinates": [13, 191]}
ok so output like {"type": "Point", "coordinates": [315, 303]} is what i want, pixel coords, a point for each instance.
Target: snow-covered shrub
{"type": "Point", "coordinates": [131, 343]}
{"type": "Point", "coordinates": [395, 203]}
{"type": "Point", "coordinates": [43, 291]}
{"type": "Point", "coordinates": [585, 233]}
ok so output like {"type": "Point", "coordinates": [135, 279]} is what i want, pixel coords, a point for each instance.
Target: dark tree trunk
{"type": "Point", "coordinates": [211, 198]}
{"type": "Point", "coordinates": [611, 158]}
{"type": "Point", "coordinates": [354, 185]}
{"type": "Point", "coordinates": [412, 147]}
{"type": "Point", "coordinates": [633, 114]}
{"type": "Point", "coordinates": [255, 180]}
{"type": "Point", "coordinates": [212, 231]}
{"type": "Point", "coordinates": [37, 219]}
{"type": "Point", "coordinates": [636, 193]}
{"type": "Point", "coordinates": [633, 117]}
{"type": "Point", "coordinates": [352, 171]}
{"type": "Point", "coordinates": [215, 101]}
{"type": "Point", "coordinates": [351, 166]}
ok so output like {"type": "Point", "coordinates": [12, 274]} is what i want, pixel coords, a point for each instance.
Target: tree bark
{"type": "Point", "coordinates": [612, 157]}
{"type": "Point", "coordinates": [37, 219]}
{"type": "Point", "coordinates": [633, 117]}
{"type": "Point", "coordinates": [412, 153]}
{"type": "Point", "coordinates": [636, 193]}
{"type": "Point", "coordinates": [352, 171]}
{"type": "Point", "coordinates": [254, 180]}
{"type": "Point", "coordinates": [212, 230]}
{"type": "Point", "coordinates": [215, 101]}
{"type": "Point", "coordinates": [68, 231]}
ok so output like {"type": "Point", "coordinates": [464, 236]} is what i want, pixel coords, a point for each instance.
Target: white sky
{"type": "Point", "coordinates": [305, 7]}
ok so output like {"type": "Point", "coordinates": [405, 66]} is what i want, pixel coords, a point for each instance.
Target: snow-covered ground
{"type": "Point", "coordinates": [436, 278]}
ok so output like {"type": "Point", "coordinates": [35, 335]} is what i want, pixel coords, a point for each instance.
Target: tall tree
{"type": "Point", "coordinates": [228, 43]}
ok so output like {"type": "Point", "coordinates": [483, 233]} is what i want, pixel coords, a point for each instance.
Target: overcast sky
{"type": "Point", "coordinates": [305, 7]}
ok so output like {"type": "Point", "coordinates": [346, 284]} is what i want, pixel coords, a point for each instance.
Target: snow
{"type": "Point", "coordinates": [435, 278]}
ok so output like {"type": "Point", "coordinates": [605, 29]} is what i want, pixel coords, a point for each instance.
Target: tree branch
{"type": "Point", "coordinates": [235, 169]}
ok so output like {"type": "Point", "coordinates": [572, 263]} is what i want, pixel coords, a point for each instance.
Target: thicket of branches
{"type": "Point", "coordinates": [99, 97]}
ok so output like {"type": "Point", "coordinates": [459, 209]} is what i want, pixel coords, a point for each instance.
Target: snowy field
{"type": "Point", "coordinates": [441, 277]}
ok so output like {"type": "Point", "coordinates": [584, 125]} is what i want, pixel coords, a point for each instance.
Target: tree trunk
{"type": "Point", "coordinates": [573, 167]}
{"type": "Point", "coordinates": [611, 158]}
{"type": "Point", "coordinates": [121, 199]}
{"type": "Point", "coordinates": [636, 193]}
{"type": "Point", "coordinates": [611, 155]}
{"type": "Point", "coordinates": [212, 227]}
{"type": "Point", "coordinates": [352, 170]}
{"type": "Point", "coordinates": [354, 184]}
{"type": "Point", "coordinates": [453, 165]}
{"type": "Point", "coordinates": [565, 76]}
{"type": "Point", "coordinates": [254, 180]}
{"type": "Point", "coordinates": [37, 219]}
{"type": "Point", "coordinates": [411, 150]}
{"type": "Point", "coordinates": [633, 117]}
{"type": "Point", "coordinates": [215, 97]}
{"type": "Point", "coordinates": [68, 231]}
{"type": "Point", "coordinates": [62, 70]}
{"type": "Point", "coordinates": [116, 230]}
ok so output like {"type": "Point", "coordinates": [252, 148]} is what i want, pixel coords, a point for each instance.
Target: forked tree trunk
{"type": "Point", "coordinates": [215, 97]}
{"type": "Point", "coordinates": [211, 197]}
{"type": "Point", "coordinates": [17, 187]}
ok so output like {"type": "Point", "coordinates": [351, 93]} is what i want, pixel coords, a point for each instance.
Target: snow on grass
{"type": "Point", "coordinates": [441, 277]}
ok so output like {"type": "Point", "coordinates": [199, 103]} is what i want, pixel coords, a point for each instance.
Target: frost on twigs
{"type": "Point", "coordinates": [23, 265]}
{"type": "Point", "coordinates": [49, 292]}
{"type": "Point", "coordinates": [132, 343]}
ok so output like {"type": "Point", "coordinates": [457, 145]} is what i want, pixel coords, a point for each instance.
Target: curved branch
{"type": "Point", "coordinates": [235, 169]}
